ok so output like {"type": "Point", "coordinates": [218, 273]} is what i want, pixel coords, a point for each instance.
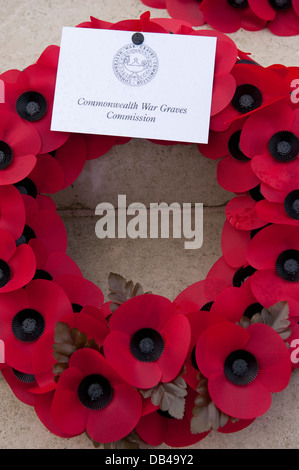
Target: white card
{"type": "Point", "coordinates": [160, 89]}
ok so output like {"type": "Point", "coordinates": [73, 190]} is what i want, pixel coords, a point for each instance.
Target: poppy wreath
{"type": "Point", "coordinates": [139, 369]}
{"type": "Point", "coordinates": [281, 17]}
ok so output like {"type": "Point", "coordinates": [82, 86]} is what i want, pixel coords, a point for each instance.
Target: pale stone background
{"type": "Point", "coordinates": [145, 173]}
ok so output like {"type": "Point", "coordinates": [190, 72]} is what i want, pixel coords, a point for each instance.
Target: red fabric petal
{"type": "Point", "coordinates": [236, 176]}
{"type": "Point", "coordinates": [19, 388]}
{"type": "Point", "coordinates": [280, 176]}
{"type": "Point", "coordinates": [188, 10]}
{"type": "Point", "coordinates": [286, 23]}
{"type": "Point", "coordinates": [42, 408]}
{"type": "Point", "coordinates": [266, 246]}
{"type": "Point", "coordinates": [71, 157]}
{"type": "Point", "coordinates": [234, 245]}
{"type": "Point", "coordinates": [12, 211]}
{"type": "Point", "coordinates": [47, 175]}
{"type": "Point", "coordinates": [59, 264]}
{"type": "Point", "coordinates": [22, 265]}
{"type": "Point", "coordinates": [224, 88]}
{"type": "Point", "coordinates": [152, 429]}
{"type": "Point", "coordinates": [49, 57]}
{"type": "Point", "coordinates": [247, 402]}
{"type": "Point", "coordinates": [19, 169]}
{"type": "Point", "coordinates": [119, 418]}
{"type": "Point", "coordinates": [216, 343]}
{"type": "Point", "coordinates": [136, 373]}
{"type": "Point", "coordinates": [80, 290]}
{"type": "Point", "coordinates": [192, 298]}
{"type": "Point", "coordinates": [176, 335]}
{"type": "Point", "coordinates": [67, 412]}
{"type": "Point", "coordinates": [272, 355]}
{"type": "Point", "coordinates": [261, 126]}
{"type": "Point", "coordinates": [274, 213]}
{"type": "Point", "coordinates": [269, 289]}
{"type": "Point", "coordinates": [144, 311]}
{"type": "Point", "coordinates": [155, 3]}
{"type": "Point", "coordinates": [262, 9]}
{"type": "Point", "coordinates": [232, 303]}
{"type": "Point", "coordinates": [227, 19]}
{"type": "Point", "coordinates": [241, 213]}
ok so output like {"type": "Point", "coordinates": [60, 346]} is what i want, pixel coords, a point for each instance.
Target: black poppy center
{"type": "Point", "coordinates": [31, 106]}
{"type": "Point", "coordinates": [27, 187]}
{"type": "Point", "coordinates": [242, 274]}
{"type": "Point", "coordinates": [247, 98]}
{"type": "Point", "coordinates": [253, 309]}
{"type": "Point", "coordinates": [77, 308]}
{"type": "Point", "coordinates": [193, 358]}
{"type": "Point", "coordinates": [207, 307]}
{"type": "Point", "coordinates": [287, 265]}
{"type": "Point", "coordinates": [238, 3]}
{"type": "Point", "coordinates": [6, 155]}
{"type": "Point", "coordinates": [241, 367]}
{"type": "Point", "coordinates": [147, 345]}
{"type": "Point", "coordinates": [27, 235]}
{"type": "Point", "coordinates": [255, 193]}
{"type": "Point", "coordinates": [42, 274]}
{"type": "Point", "coordinates": [280, 4]}
{"type": "Point", "coordinates": [165, 414]}
{"type": "Point", "coordinates": [28, 325]}
{"type": "Point", "coordinates": [234, 147]}
{"type": "Point", "coordinates": [5, 273]}
{"type": "Point", "coordinates": [284, 146]}
{"type": "Point", "coordinates": [22, 377]}
{"type": "Point", "coordinates": [95, 392]}
{"type": "Point", "coordinates": [291, 204]}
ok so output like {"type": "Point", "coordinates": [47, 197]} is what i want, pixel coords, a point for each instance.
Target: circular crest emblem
{"type": "Point", "coordinates": [135, 65]}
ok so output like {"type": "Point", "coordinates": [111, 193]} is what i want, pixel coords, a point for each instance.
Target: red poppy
{"type": "Point", "coordinates": [230, 15]}
{"type": "Point", "coordinates": [17, 264]}
{"type": "Point", "coordinates": [274, 252]}
{"type": "Point", "coordinates": [145, 24]}
{"type": "Point", "coordinates": [188, 10]}
{"type": "Point", "coordinates": [274, 148]}
{"type": "Point", "coordinates": [238, 363]}
{"type": "Point", "coordinates": [280, 207]}
{"type": "Point", "coordinates": [224, 85]}
{"type": "Point", "coordinates": [42, 407]}
{"type": "Point", "coordinates": [234, 171]}
{"type": "Point", "coordinates": [53, 265]}
{"type": "Point", "coordinates": [198, 296]}
{"type": "Point", "coordinates": [80, 291]}
{"type": "Point", "coordinates": [234, 303]}
{"type": "Point", "coordinates": [44, 225]}
{"type": "Point", "coordinates": [19, 144]}
{"type": "Point", "coordinates": [91, 396]}
{"type": "Point", "coordinates": [281, 16]}
{"type": "Point", "coordinates": [12, 211]}
{"type": "Point", "coordinates": [20, 384]}
{"type": "Point", "coordinates": [241, 213]}
{"type": "Point", "coordinates": [148, 342]}
{"type": "Point", "coordinates": [29, 95]}
{"type": "Point", "coordinates": [27, 315]}
{"type": "Point", "coordinates": [199, 322]}
{"type": "Point", "coordinates": [159, 427]}
{"type": "Point", "coordinates": [234, 245]}
{"type": "Point", "coordinates": [89, 321]}
{"type": "Point", "coordinates": [257, 88]}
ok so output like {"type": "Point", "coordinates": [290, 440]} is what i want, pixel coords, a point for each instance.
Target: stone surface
{"type": "Point", "coordinates": [145, 173]}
